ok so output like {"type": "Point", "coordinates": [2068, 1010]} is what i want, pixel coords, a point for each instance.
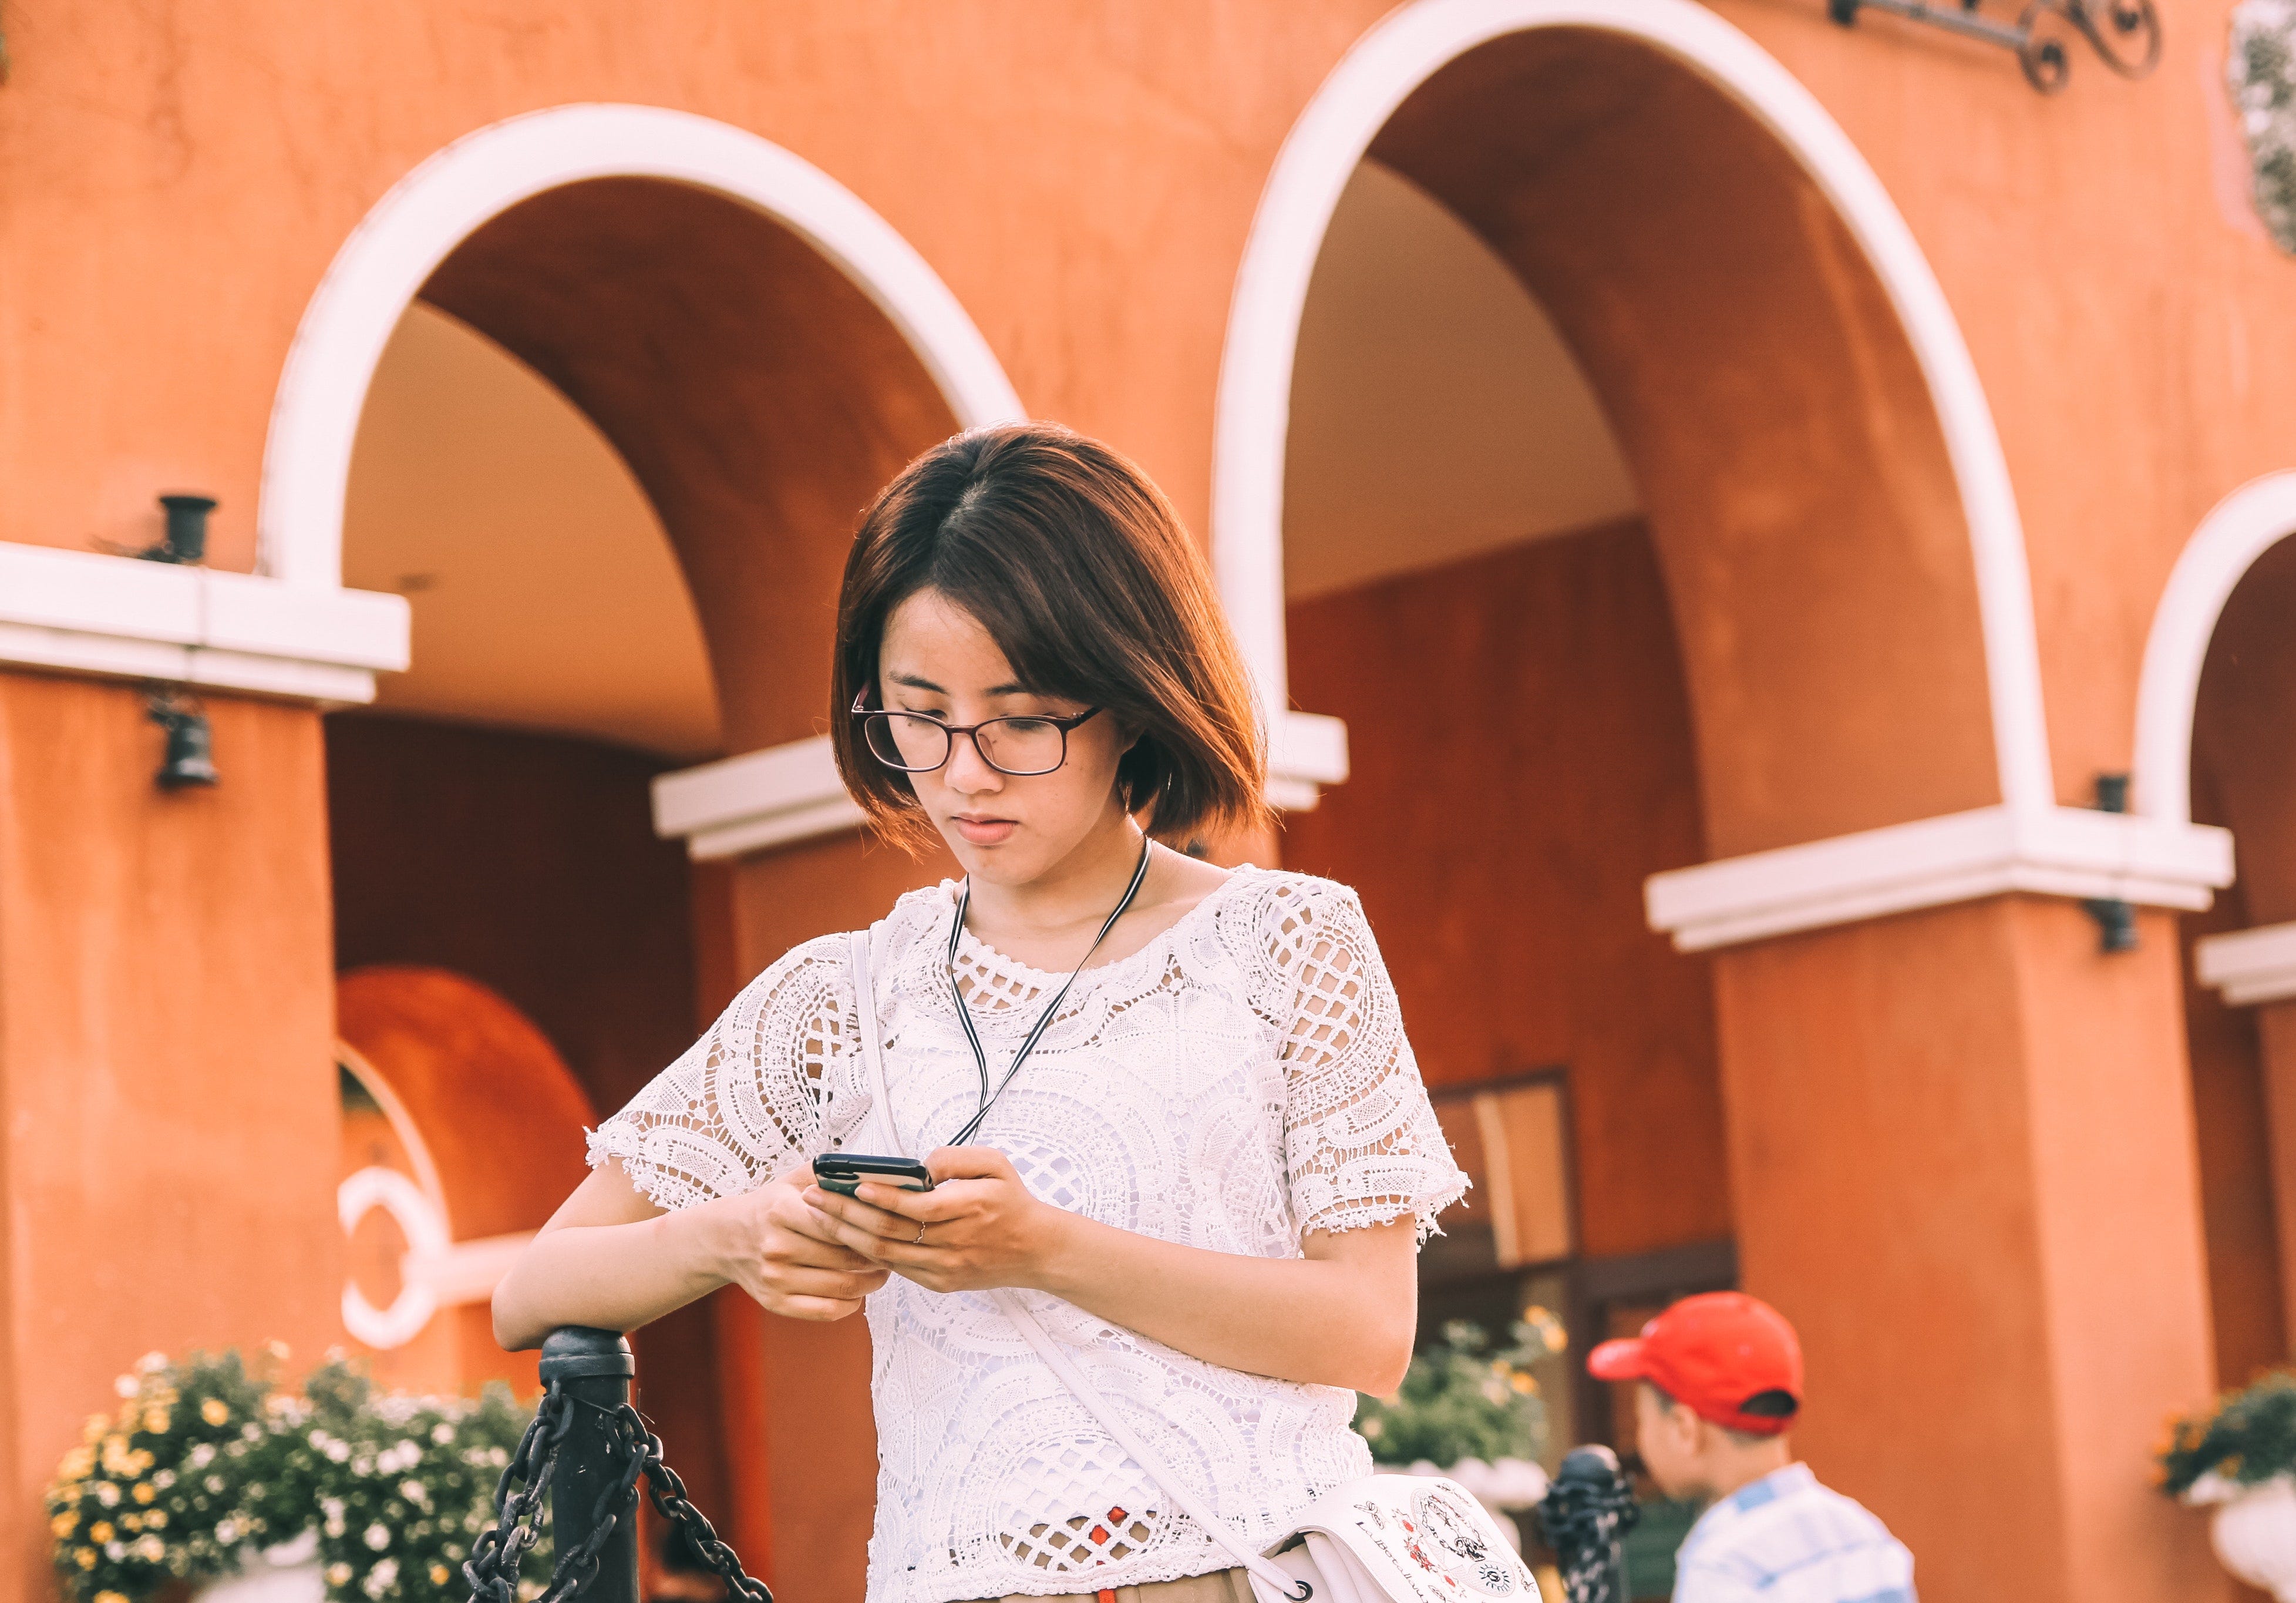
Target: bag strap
{"type": "Point", "coordinates": [873, 1053]}
{"type": "Point", "coordinates": [862, 943]}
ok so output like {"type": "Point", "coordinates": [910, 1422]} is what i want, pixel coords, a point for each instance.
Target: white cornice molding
{"type": "Point", "coordinates": [2250, 966]}
{"type": "Point", "coordinates": [116, 617]}
{"type": "Point", "coordinates": [790, 792]}
{"type": "Point", "coordinates": [1989, 851]}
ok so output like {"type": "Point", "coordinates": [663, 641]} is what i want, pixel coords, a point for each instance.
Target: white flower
{"type": "Point", "coordinates": [201, 1455]}
{"type": "Point", "coordinates": [228, 1531]}
{"type": "Point", "coordinates": [126, 1385]}
{"type": "Point", "coordinates": [380, 1579]}
{"type": "Point", "coordinates": [115, 1551]}
{"type": "Point", "coordinates": [415, 1492]}
{"type": "Point", "coordinates": [151, 1363]}
{"type": "Point", "coordinates": [163, 1478]}
{"type": "Point", "coordinates": [151, 1550]}
{"type": "Point", "coordinates": [214, 1484]}
{"type": "Point", "coordinates": [442, 1434]}
{"type": "Point", "coordinates": [107, 1494]}
{"type": "Point", "coordinates": [337, 1452]}
{"type": "Point", "coordinates": [376, 1536]}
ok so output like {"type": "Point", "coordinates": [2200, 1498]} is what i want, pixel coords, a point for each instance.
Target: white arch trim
{"type": "Point", "coordinates": [2026, 842]}
{"type": "Point", "coordinates": [2239, 529]}
{"type": "Point", "coordinates": [411, 229]}
{"type": "Point", "coordinates": [1287, 234]}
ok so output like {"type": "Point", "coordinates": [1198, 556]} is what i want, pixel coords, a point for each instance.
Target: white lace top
{"type": "Point", "coordinates": [1241, 1080]}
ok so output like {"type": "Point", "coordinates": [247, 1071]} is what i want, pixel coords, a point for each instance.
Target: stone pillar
{"type": "Point", "coordinates": [1963, 1165]}
{"type": "Point", "coordinates": [2276, 1035]}
{"type": "Point", "coordinates": [167, 1025]}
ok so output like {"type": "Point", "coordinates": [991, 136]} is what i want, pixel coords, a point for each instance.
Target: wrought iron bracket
{"type": "Point", "coordinates": [2126, 34]}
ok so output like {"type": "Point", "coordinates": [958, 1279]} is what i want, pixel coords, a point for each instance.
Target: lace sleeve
{"type": "Point", "coordinates": [747, 1101]}
{"type": "Point", "coordinates": [1361, 1146]}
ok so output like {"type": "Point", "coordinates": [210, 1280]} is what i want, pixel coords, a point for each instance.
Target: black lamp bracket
{"type": "Point", "coordinates": [2126, 34]}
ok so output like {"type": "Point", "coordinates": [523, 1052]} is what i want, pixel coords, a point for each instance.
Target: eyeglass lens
{"type": "Point", "coordinates": [1010, 746]}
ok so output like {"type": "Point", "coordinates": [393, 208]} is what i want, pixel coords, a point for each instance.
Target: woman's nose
{"type": "Point", "coordinates": [967, 770]}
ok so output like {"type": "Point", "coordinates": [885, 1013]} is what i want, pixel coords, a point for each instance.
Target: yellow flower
{"type": "Point", "coordinates": [112, 1597]}
{"type": "Point", "coordinates": [63, 1524]}
{"type": "Point", "coordinates": [157, 1520]}
{"type": "Point", "coordinates": [100, 1531]}
{"type": "Point", "coordinates": [97, 1424]}
{"type": "Point", "coordinates": [156, 1422]}
{"type": "Point", "coordinates": [339, 1574]}
{"type": "Point", "coordinates": [143, 1492]}
{"type": "Point", "coordinates": [215, 1411]}
{"type": "Point", "coordinates": [84, 1557]}
{"type": "Point", "coordinates": [1524, 1383]}
{"type": "Point", "coordinates": [78, 1464]}
{"type": "Point", "coordinates": [440, 1574]}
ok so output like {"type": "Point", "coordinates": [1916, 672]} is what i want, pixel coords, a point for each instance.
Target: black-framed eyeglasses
{"type": "Point", "coordinates": [915, 743]}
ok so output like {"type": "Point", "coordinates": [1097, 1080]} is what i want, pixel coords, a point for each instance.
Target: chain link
{"type": "Point", "coordinates": [493, 1569]}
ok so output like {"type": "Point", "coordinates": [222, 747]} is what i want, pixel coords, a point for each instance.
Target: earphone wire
{"type": "Point", "coordinates": [1044, 1019]}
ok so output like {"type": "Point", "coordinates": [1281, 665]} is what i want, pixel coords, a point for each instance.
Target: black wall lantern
{"type": "Point", "coordinates": [189, 759]}
{"type": "Point", "coordinates": [2116, 920]}
{"type": "Point", "coordinates": [2125, 33]}
{"type": "Point", "coordinates": [186, 539]}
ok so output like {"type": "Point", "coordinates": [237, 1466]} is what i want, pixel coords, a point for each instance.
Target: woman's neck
{"type": "Point", "coordinates": [1075, 894]}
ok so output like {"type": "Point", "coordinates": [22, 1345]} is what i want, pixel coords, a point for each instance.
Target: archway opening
{"type": "Point", "coordinates": [1620, 527]}
{"type": "Point", "coordinates": [613, 454]}
{"type": "Point", "coordinates": [2240, 1018]}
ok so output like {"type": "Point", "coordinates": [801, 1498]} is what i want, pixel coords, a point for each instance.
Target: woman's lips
{"type": "Point", "coordinates": [985, 832]}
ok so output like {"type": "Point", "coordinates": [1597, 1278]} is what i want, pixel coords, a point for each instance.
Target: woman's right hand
{"type": "Point", "coordinates": [771, 1244]}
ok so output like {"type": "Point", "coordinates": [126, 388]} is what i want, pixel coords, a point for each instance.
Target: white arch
{"type": "Point", "coordinates": [2237, 530]}
{"type": "Point", "coordinates": [1332, 135]}
{"type": "Point", "coordinates": [306, 458]}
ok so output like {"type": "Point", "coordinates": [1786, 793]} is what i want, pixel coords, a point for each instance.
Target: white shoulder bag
{"type": "Point", "coordinates": [1381, 1539]}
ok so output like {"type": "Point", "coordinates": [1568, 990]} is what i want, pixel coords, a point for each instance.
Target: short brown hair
{"type": "Point", "coordinates": [1072, 560]}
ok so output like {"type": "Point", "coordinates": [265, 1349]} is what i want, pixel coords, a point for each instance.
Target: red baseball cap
{"type": "Point", "coordinates": [1713, 1353]}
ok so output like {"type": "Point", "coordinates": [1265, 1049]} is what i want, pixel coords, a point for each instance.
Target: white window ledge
{"type": "Point", "coordinates": [2250, 966]}
{"type": "Point", "coordinates": [78, 611]}
{"type": "Point", "coordinates": [790, 792]}
{"type": "Point", "coordinates": [1989, 851]}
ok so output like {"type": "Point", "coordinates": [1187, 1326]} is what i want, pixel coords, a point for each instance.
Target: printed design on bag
{"type": "Point", "coordinates": [1447, 1540]}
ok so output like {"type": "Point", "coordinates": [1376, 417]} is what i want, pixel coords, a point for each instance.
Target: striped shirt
{"type": "Point", "coordinates": [1785, 1538]}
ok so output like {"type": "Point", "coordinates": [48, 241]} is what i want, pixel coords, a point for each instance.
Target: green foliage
{"type": "Point", "coordinates": [205, 1464]}
{"type": "Point", "coordinates": [1462, 1399]}
{"type": "Point", "coordinates": [404, 1486]}
{"type": "Point", "coordinates": [2250, 1436]}
{"type": "Point", "coordinates": [2260, 72]}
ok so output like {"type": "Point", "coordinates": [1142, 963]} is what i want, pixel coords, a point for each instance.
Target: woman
{"type": "Point", "coordinates": [1171, 1103]}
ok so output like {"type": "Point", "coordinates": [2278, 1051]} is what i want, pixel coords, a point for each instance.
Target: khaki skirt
{"type": "Point", "coordinates": [1221, 1586]}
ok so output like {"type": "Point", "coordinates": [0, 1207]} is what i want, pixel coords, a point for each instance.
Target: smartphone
{"type": "Point", "coordinates": [843, 1172]}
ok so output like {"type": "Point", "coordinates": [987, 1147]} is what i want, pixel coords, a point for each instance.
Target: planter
{"type": "Point", "coordinates": [286, 1573]}
{"type": "Point", "coordinates": [2253, 1530]}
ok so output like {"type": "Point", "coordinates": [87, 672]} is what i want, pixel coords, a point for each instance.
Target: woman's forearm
{"type": "Point", "coordinates": [612, 1276]}
{"type": "Point", "coordinates": [1344, 1318]}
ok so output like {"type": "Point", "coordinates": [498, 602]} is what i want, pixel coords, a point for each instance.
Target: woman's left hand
{"type": "Point", "coordinates": [978, 1227]}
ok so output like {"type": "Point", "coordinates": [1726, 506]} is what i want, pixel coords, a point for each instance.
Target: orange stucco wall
{"type": "Point", "coordinates": [1982, 1125]}
{"type": "Point", "coordinates": [1083, 178]}
{"type": "Point", "coordinates": [1522, 759]}
{"type": "Point", "coordinates": [167, 1063]}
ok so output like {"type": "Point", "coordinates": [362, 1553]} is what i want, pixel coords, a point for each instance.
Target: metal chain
{"type": "Point", "coordinates": [493, 1567]}
{"type": "Point", "coordinates": [495, 1559]}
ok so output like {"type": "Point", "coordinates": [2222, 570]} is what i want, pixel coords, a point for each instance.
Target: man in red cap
{"type": "Point", "coordinates": [1720, 1379]}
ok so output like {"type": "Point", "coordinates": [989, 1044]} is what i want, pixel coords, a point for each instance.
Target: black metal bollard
{"type": "Point", "coordinates": [1586, 1514]}
{"type": "Point", "coordinates": [592, 1367]}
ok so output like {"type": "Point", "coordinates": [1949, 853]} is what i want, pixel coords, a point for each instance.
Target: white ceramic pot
{"type": "Point", "coordinates": [2254, 1530]}
{"type": "Point", "coordinates": [286, 1573]}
